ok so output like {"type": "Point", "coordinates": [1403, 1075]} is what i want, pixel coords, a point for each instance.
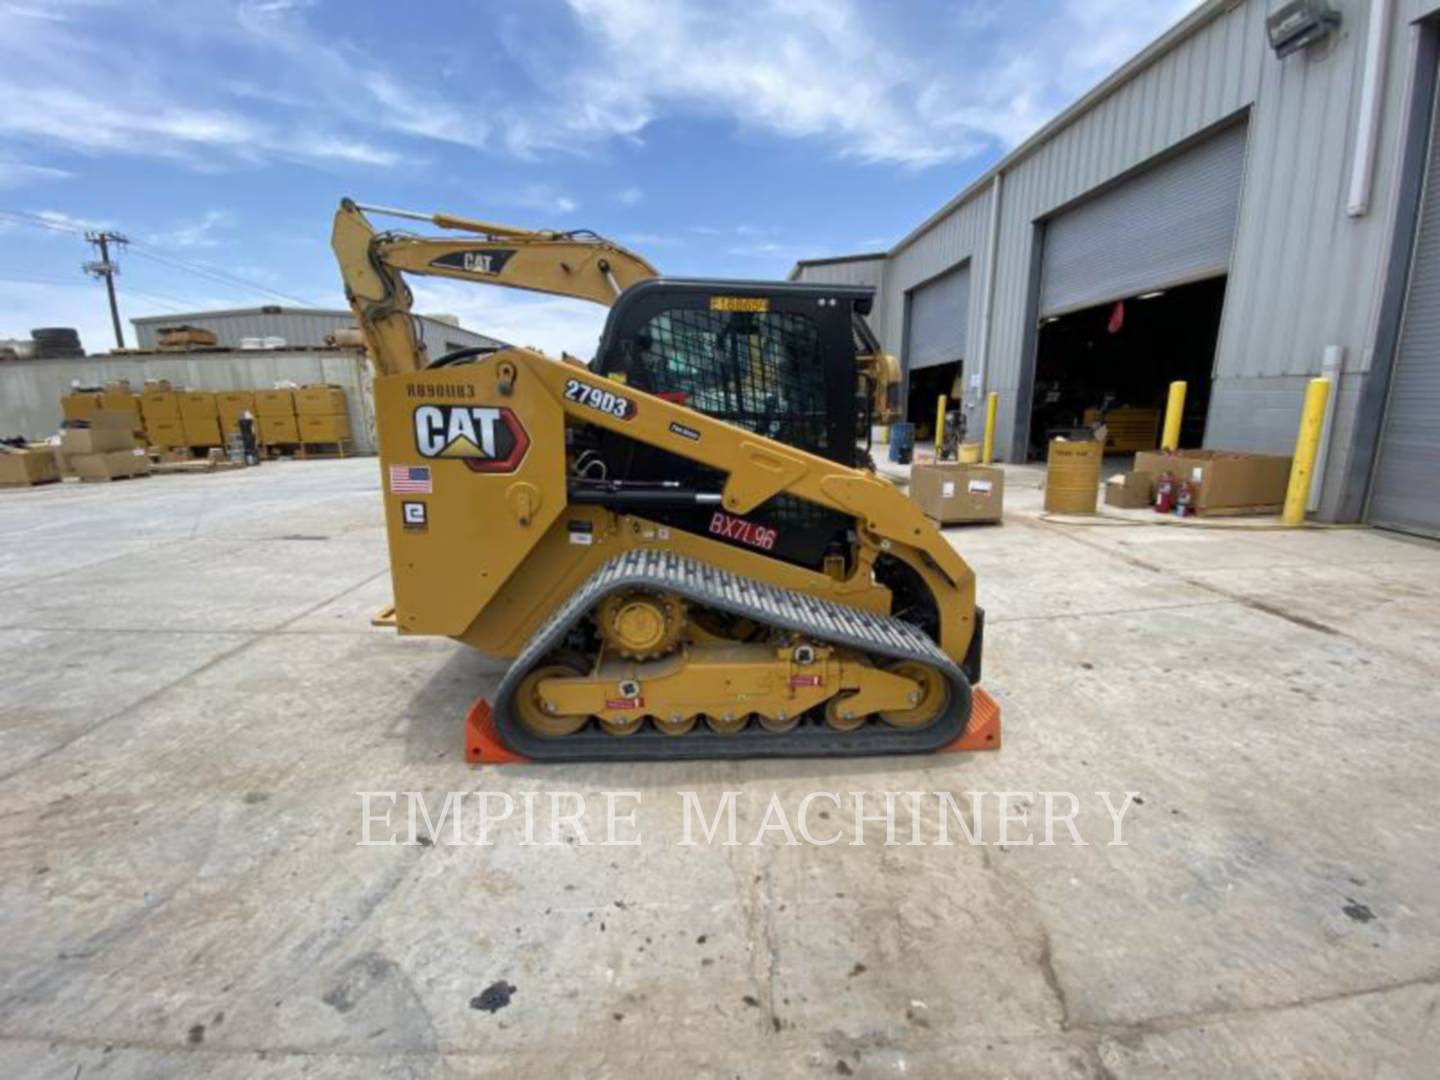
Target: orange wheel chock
{"type": "Point", "coordinates": [482, 741]}
{"type": "Point", "coordinates": [983, 733]}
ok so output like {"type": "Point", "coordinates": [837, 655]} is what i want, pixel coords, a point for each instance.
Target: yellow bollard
{"type": "Point", "coordinates": [1174, 412]}
{"type": "Point", "coordinates": [939, 426]}
{"type": "Point", "coordinates": [1307, 445]}
{"type": "Point", "coordinates": [992, 406]}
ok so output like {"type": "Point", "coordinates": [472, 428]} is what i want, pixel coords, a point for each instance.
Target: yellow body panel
{"type": "Point", "coordinates": [490, 555]}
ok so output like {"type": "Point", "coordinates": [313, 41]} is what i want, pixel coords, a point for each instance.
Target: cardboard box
{"type": "Point", "coordinates": [197, 405]}
{"type": "Point", "coordinates": [278, 429]}
{"type": "Point", "coordinates": [1227, 481]}
{"type": "Point", "coordinates": [166, 433]}
{"type": "Point", "coordinates": [201, 431]}
{"type": "Point", "coordinates": [319, 401]}
{"type": "Point", "coordinates": [111, 465]}
{"type": "Point", "coordinates": [105, 430]}
{"type": "Point", "coordinates": [159, 405]}
{"type": "Point", "coordinates": [274, 403]}
{"type": "Point", "coordinates": [25, 468]}
{"type": "Point", "coordinates": [231, 404]}
{"type": "Point", "coordinates": [951, 493]}
{"type": "Point", "coordinates": [122, 401]}
{"type": "Point", "coordinates": [79, 406]}
{"type": "Point", "coordinates": [324, 429]}
{"type": "Point", "coordinates": [1130, 490]}
{"type": "Point", "coordinates": [235, 401]}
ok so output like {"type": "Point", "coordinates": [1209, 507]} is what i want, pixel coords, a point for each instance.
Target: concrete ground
{"type": "Point", "coordinates": [193, 696]}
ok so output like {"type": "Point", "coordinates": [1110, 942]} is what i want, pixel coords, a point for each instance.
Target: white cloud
{"type": "Point", "coordinates": [541, 197]}
{"type": "Point", "coordinates": [643, 240]}
{"type": "Point", "coordinates": [18, 174]}
{"type": "Point", "coordinates": [839, 72]}
{"type": "Point", "coordinates": [630, 196]}
{"type": "Point", "coordinates": [197, 234]}
{"type": "Point", "coordinates": [69, 221]}
{"type": "Point", "coordinates": [868, 82]}
{"type": "Point", "coordinates": [551, 323]}
{"type": "Point", "coordinates": [66, 87]}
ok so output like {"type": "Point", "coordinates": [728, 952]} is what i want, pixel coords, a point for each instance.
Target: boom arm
{"type": "Point", "coordinates": [578, 264]}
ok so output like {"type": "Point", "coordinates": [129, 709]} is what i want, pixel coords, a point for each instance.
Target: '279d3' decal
{"type": "Point", "coordinates": [728, 527]}
{"type": "Point", "coordinates": [593, 397]}
{"type": "Point", "coordinates": [487, 439]}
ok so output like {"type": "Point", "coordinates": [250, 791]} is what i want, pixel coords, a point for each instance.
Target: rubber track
{"type": "Point", "coordinates": [822, 620]}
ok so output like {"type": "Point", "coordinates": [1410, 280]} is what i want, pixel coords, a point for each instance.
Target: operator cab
{"type": "Point", "coordinates": [776, 358]}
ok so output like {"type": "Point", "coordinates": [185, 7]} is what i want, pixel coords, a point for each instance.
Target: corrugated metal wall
{"type": "Point", "coordinates": [1304, 275]}
{"type": "Point", "coordinates": [300, 329]}
{"type": "Point", "coordinates": [30, 390]}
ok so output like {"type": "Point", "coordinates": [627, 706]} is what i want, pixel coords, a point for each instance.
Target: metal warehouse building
{"type": "Point", "coordinates": [1252, 201]}
{"type": "Point", "coordinates": [301, 328]}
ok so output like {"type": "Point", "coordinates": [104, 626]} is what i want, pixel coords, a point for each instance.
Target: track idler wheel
{"type": "Point", "coordinates": [728, 723]}
{"type": "Point", "coordinates": [779, 725]}
{"type": "Point", "coordinates": [674, 725]}
{"type": "Point", "coordinates": [840, 717]}
{"type": "Point", "coordinates": [931, 698]}
{"type": "Point", "coordinates": [625, 725]}
{"type": "Point", "coordinates": [530, 704]}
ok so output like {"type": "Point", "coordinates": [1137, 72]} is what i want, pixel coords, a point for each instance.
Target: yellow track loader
{"type": "Point", "coordinates": [680, 547]}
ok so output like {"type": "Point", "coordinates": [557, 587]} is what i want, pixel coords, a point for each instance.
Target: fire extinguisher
{"type": "Point", "coordinates": [1185, 499]}
{"type": "Point", "coordinates": [1165, 492]}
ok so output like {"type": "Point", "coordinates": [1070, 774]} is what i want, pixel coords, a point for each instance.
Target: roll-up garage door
{"type": "Point", "coordinates": [1172, 223]}
{"type": "Point", "coordinates": [939, 319]}
{"type": "Point", "coordinates": [1405, 493]}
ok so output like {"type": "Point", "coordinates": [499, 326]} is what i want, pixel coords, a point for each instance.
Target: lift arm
{"type": "Point", "coordinates": [578, 264]}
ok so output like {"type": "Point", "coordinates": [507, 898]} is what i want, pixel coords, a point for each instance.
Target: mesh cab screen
{"type": "Point", "coordinates": [758, 370]}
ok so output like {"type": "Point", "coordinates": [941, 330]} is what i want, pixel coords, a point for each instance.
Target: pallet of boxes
{"type": "Point", "coordinates": [25, 464]}
{"type": "Point", "coordinates": [306, 421]}
{"type": "Point", "coordinates": [160, 412]}
{"type": "Point", "coordinates": [952, 493]}
{"type": "Point", "coordinates": [102, 447]}
{"type": "Point", "coordinates": [1203, 483]}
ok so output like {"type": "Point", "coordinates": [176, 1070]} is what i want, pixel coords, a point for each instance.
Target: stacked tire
{"type": "Point", "coordinates": [56, 342]}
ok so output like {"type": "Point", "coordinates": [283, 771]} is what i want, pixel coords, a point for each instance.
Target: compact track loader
{"type": "Point", "coordinates": [680, 547]}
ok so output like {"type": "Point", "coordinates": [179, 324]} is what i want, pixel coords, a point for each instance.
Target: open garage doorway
{"type": "Point", "coordinates": [925, 387]}
{"type": "Point", "coordinates": [1115, 361]}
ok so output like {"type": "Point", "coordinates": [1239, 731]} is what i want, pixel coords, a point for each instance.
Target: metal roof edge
{"type": "Point", "coordinates": [831, 260]}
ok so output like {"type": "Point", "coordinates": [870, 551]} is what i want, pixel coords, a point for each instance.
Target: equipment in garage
{"type": "Point", "coordinates": [937, 324]}
{"type": "Point", "coordinates": [1132, 284]}
{"type": "Point", "coordinates": [1091, 366]}
{"type": "Point", "coordinates": [1405, 488]}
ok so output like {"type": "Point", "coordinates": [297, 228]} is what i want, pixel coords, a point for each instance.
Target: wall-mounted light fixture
{"type": "Point", "coordinates": [1295, 24]}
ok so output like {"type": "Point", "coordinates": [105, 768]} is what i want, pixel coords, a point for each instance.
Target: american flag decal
{"type": "Point", "coordinates": [410, 479]}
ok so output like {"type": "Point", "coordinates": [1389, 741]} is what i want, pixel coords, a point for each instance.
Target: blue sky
{"type": "Point", "coordinates": [715, 137]}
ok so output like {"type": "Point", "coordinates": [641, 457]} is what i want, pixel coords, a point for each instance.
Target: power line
{"type": "Point", "coordinates": [21, 218]}
{"type": "Point", "coordinates": [173, 261]}
{"type": "Point", "coordinates": [221, 276]}
{"type": "Point", "coordinates": [158, 298]}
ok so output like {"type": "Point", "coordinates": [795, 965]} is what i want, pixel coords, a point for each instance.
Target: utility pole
{"type": "Point", "coordinates": [104, 268]}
